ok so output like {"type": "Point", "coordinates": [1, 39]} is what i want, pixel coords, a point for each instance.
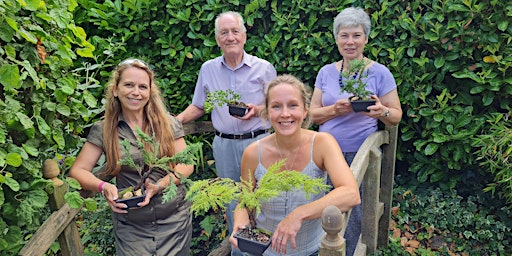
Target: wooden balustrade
{"type": "Point", "coordinates": [373, 166]}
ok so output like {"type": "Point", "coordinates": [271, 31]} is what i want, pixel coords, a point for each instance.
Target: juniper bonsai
{"type": "Point", "coordinates": [218, 192]}
{"type": "Point", "coordinates": [152, 161]}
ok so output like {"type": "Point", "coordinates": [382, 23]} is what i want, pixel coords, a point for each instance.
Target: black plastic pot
{"type": "Point", "coordinates": [237, 110]}
{"type": "Point", "coordinates": [132, 201]}
{"type": "Point", "coordinates": [361, 105]}
{"type": "Point", "coordinates": [251, 246]}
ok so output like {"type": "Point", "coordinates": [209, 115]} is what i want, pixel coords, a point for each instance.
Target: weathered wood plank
{"type": "Point", "coordinates": [223, 249]}
{"type": "Point", "coordinates": [49, 231]}
{"type": "Point", "coordinates": [386, 184]}
{"type": "Point", "coordinates": [198, 127]}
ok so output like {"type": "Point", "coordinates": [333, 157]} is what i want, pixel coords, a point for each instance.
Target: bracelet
{"type": "Point", "coordinates": [100, 186]}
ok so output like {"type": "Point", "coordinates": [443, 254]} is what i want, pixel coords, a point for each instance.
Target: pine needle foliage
{"type": "Point", "coordinates": [218, 192]}
{"type": "Point", "coordinates": [153, 161]}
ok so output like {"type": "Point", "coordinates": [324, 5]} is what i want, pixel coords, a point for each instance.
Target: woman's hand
{"type": "Point", "coordinates": [151, 190]}
{"type": "Point", "coordinates": [342, 107]}
{"type": "Point", "coordinates": [232, 238]}
{"type": "Point", "coordinates": [377, 110]}
{"type": "Point", "coordinates": [110, 193]}
{"type": "Point", "coordinates": [285, 232]}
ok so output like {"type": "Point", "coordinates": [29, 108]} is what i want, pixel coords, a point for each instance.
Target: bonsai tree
{"type": "Point", "coordinates": [221, 98]}
{"type": "Point", "coordinates": [152, 162]}
{"type": "Point", "coordinates": [218, 192]}
{"type": "Point", "coordinates": [353, 82]}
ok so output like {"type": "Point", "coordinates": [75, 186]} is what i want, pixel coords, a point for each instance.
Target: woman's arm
{"type": "Point", "coordinates": [388, 102]}
{"type": "Point", "coordinates": [81, 170]}
{"type": "Point", "coordinates": [321, 114]}
{"type": "Point", "coordinates": [248, 165]}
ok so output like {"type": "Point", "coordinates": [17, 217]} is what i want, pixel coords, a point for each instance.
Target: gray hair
{"type": "Point", "coordinates": [234, 14]}
{"type": "Point", "coordinates": [352, 17]}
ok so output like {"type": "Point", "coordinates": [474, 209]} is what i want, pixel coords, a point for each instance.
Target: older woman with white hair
{"type": "Point", "coordinates": [332, 110]}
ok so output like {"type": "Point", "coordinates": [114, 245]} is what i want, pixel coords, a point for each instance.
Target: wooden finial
{"type": "Point", "coordinates": [51, 171]}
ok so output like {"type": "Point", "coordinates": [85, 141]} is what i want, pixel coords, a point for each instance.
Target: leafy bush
{"type": "Point", "coordinates": [445, 223]}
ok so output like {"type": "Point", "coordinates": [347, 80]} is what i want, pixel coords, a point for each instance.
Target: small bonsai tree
{"type": "Point", "coordinates": [152, 162]}
{"type": "Point", "coordinates": [353, 80]}
{"type": "Point", "coordinates": [220, 98]}
{"type": "Point", "coordinates": [218, 192]}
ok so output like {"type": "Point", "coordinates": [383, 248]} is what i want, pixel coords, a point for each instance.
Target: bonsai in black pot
{"type": "Point", "coordinates": [351, 81]}
{"type": "Point", "coordinates": [218, 192]}
{"type": "Point", "coordinates": [229, 97]}
{"type": "Point", "coordinates": [152, 162]}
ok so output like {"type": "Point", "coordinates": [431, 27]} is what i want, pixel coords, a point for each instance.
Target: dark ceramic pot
{"type": "Point", "coordinates": [251, 246]}
{"type": "Point", "coordinates": [237, 110]}
{"type": "Point", "coordinates": [133, 201]}
{"type": "Point", "coordinates": [361, 105]}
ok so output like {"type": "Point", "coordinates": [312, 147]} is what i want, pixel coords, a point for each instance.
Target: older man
{"type": "Point", "coordinates": [246, 75]}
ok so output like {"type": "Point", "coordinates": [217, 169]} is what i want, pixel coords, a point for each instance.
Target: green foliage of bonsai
{"type": "Point", "coordinates": [218, 192]}
{"type": "Point", "coordinates": [152, 161]}
{"type": "Point", "coordinates": [353, 82]}
{"type": "Point", "coordinates": [220, 98]}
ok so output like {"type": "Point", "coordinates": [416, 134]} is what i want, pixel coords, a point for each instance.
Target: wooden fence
{"type": "Point", "coordinates": [373, 166]}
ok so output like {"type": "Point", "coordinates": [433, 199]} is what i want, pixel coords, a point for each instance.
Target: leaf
{"type": "Point", "coordinates": [25, 120]}
{"type": "Point", "coordinates": [63, 109]}
{"type": "Point", "coordinates": [10, 76]}
{"type": "Point", "coordinates": [74, 199]}
{"type": "Point", "coordinates": [27, 35]}
{"type": "Point", "coordinates": [37, 198]}
{"type": "Point", "coordinates": [90, 204]}
{"type": "Point", "coordinates": [431, 149]}
{"type": "Point", "coordinates": [13, 159]}
{"type": "Point", "coordinates": [30, 150]}
{"type": "Point", "coordinates": [73, 183]}
{"type": "Point", "coordinates": [12, 183]}
{"type": "Point", "coordinates": [44, 128]}
{"type": "Point", "coordinates": [58, 137]}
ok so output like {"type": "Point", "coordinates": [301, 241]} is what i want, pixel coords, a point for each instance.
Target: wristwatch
{"type": "Point", "coordinates": [386, 114]}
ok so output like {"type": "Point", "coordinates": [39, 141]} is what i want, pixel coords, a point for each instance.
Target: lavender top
{"type": "Point", "coordinates": [352, 129]}
{"type": "Point", "coordinates": [249, 79]}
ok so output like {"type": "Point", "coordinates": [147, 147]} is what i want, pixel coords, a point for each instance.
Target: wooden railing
{"type": "Point", "coordinates": [373, 166]}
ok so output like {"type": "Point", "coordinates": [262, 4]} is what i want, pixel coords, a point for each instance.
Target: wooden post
{"type": "Point", "coordinates": [371, 212]}
{"type": "Point", "coordinates": [69, 239]}
{"type": "Point", "coordinates": [386, 184]}
{"type": "Point", "coordinates": [332, 244]}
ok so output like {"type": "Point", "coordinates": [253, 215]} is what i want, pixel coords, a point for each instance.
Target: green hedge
{"type": "Point", "coordinates": [451, 60]}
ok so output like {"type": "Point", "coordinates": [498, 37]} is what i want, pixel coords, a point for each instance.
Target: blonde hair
{"type": "Point", "coordinates": [156, 118]}
{"type": "Point", "coordinates": [297, 84]}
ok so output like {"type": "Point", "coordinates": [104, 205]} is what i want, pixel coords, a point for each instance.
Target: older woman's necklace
{"type": "Point", "coordinates": [354, 76]}
{"type": "Point", "coordinates": [294, 154]}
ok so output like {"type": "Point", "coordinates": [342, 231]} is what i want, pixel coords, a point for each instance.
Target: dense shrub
{"type": "Point", "coordinates": [447, 224]}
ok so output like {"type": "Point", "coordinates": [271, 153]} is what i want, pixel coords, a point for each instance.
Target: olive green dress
{"type": "Point", "coordinates": [156, 229]}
